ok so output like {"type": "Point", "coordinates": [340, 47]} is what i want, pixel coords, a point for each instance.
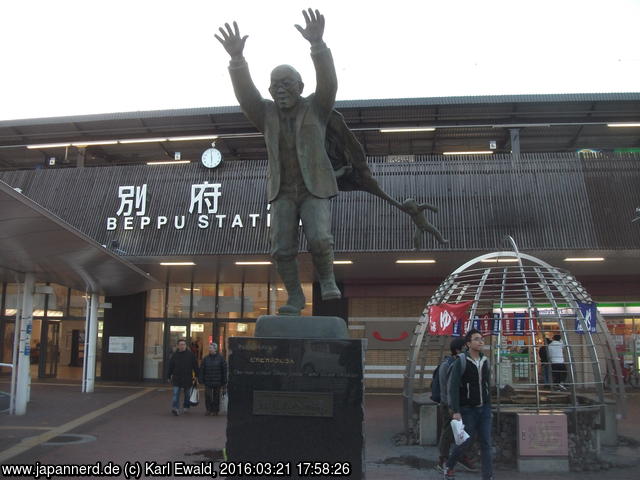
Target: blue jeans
{"type": "Point", "coordinates": [477, 422]}
{"type": "Point", "coordinates": [176, 397]}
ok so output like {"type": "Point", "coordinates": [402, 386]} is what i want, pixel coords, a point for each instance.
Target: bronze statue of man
{"type": "Point", "coordinates": [301, 180]}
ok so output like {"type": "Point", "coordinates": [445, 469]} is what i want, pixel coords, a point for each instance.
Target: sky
{"type": "Point", "coordinates": [71, 57]}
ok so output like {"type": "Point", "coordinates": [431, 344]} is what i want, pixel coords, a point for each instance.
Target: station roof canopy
{"type": "Point", "coordinates": [33, 240]}
{"type": "Point", "coordinates": [546, 123]}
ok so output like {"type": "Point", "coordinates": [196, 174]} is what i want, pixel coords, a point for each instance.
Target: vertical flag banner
{"type": "Point", "coordinates": [519, 323]}
{"type": "Point", "coordinates": [496, 324]}
{"type": "Point", "coordinates": [590, 314]}
{"type": "Point", "coordinates": [507, 324]}
{"type": "Point", "coordinates": [443, 317]}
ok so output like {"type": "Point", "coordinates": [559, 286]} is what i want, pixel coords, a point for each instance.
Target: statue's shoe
{"type": "Point", "coordinates": [289, 310]}
{"type": "Point", "coordinates": [330, 291]}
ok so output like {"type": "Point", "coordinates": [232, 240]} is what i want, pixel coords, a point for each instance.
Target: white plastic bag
{"type": "Point", "coordinates": [459, 435]}
{"type": "Point", "coordinates": [224, 403]}
{"type": "Point", "coordinates": [194, 396]}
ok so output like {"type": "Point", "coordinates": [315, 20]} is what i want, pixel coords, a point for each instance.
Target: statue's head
{"type": "Point", "coordinates": [286, 86]}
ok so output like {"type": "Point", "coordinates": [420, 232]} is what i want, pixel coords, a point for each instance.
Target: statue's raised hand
{"type": "Point", "coordinates": [314, 28]}
{"type": "Point", "coordinates": [231, 40]}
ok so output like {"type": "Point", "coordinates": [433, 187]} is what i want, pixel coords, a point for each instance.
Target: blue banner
{"type": "Point", "coordinates": [590, 314]}
{"type": "Point", "coordinates": [519, 323]}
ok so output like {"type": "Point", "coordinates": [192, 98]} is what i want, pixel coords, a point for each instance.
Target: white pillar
{"type": "Point", "coordinates": [91, 336]}
{"type": "Point", "coordinates": [23, 378]}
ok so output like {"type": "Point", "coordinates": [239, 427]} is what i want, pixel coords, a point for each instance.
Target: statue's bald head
{"type": "Point", "coordinates": [286, 86]}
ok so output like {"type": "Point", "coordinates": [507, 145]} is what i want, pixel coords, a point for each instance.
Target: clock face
{"type": "Point", "coordinates": [211, 157]}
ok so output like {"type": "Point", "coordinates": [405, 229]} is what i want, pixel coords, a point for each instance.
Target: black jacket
{"type": "Point", "coordinates": [472, 388]}
{"type": "Point", "coordinates": [182, 367]}
{"type": "Point", "coordinates": [213, 370]}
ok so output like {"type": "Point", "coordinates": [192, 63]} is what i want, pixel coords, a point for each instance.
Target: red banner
{"type": "Point", "coordinates": [442, 317]}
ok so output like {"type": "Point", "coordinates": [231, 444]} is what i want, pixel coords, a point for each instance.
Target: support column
{"type": "Point", "coordinates": [23, 378]}
{"type": "Point", "coordinates": [91, 337]}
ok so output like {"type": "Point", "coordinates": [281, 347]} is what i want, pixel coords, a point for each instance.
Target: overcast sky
{"type": "Point", "coordinates": [66, 57]}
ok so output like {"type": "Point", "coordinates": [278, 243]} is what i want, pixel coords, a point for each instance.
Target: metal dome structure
{"type": "Point", "coordinates": [517, 301]}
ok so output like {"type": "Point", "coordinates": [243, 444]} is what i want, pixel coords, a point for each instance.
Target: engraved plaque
{"type": "Point", "coordinates": [543, 435]}
{"type": "Point", "coordinates": [297, 404]}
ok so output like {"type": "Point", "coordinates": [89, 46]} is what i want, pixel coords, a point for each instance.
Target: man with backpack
{"type": "Point", "coordinates": [470, 401]}
{"type": "Point", "coordinates": [439, 394]}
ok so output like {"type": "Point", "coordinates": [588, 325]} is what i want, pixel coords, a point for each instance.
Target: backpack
{"type": "Point", "coordinates": [439, 394]}
{"type": "Point", "coordinates": [446, 393]}
{"type": "Point", "coordinates": [435, 383]}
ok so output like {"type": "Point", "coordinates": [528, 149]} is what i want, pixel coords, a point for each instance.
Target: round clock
{"type": "Point", "coordinates": [211, 157]}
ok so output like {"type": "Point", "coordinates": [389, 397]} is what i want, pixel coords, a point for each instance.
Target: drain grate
{"type": "Point", "coordinates": [70, 439]}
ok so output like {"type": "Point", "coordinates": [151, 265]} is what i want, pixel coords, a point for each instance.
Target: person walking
{"type": "Point", "coordinates": [544, 361]}
{"type": "Point", "coordinates": [183, 368]}
{"type": "Point", "coordinates": [470, 401]}
{"type": "Point", "coordinates": [446, 434]}
{"type": "Point", "coordinates": [556, 357]}
{"type": "Point", "coordinates": [213, 374]}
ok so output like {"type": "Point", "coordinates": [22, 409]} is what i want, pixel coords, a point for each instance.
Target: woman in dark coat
{"type": "Point", "coordinates": [213, 373]}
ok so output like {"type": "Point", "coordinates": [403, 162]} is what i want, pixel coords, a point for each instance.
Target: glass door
{"type": "Point", "coordinates": [49, 349]}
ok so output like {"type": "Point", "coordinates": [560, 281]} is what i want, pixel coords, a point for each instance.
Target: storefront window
{"type": "Point", "coordinates": [204, 300]}
{"type": "Point", "coordinates": [153, 350]}
{"type": "Point", "coordinates": [57, 302]}
{"type": "Point", "coordinates": [179, 304]}
{"type": "Point", "coordinates": [77, 304]}
{"type": "Point", "coordinates": [38, 302]}
{"type": "Point", "coordinates": [12, 299]}
{"type": "Point", "coordinates": [155, 303]}
{"type": "Point", "coordinates": [255, 300]}
{"type": "Point", "coordinates": [240, 329]}
{"type": "Point", "coordinates": [229, 300]}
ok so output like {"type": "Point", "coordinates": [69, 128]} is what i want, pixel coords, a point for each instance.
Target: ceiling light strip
{"type": "Point", "coordinates": [169, 162]}
{"type": "Point", "coordinates": [416, 261]}
{"type": "Point", "coordinates": [584, 259]}
{"type": "Point", "coordinates": [477, 152]}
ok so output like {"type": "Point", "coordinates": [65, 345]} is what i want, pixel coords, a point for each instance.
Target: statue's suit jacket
{"type": "Point", "coordinates": [311, 124]}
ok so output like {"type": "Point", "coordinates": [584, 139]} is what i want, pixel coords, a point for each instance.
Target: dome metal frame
{"type": "Point", "coordinates": [550, 298]}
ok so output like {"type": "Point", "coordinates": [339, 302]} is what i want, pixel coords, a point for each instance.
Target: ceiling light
{"type": "Point", "coordinates": [342, 262]}
{"type": "Point", "coordinates": [169, 162]}
{"type": "Point", "coordinates": [416, 261]}
{"type": "Point", "coordinates": [176, 264]}
{"type": "Point", "coordinates": [407, 129]}
{"type": "Point", "coordinates": [143, 140]}
{"type": "Point", "coordinates": [195, 137]}
{"type": "Point", "coordinates": [636, 124]}
{"type": "Point", "coordinates": [584, 259]}
{"type": "Point", "coordinates": [94, 142]}
{"type": "Point", "coordinates": [253, 263]}
{"type": "Point", "coordinates": [501, 260]}
{"type": "Point", "coordinates": [48, 145]}
{"type": "Point", "coordinates": [477, 152]}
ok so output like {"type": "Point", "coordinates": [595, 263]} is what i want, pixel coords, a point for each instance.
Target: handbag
{"type": "Point", "coordinates": [194, 396]}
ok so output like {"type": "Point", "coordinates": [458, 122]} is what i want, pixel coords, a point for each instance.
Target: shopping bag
{"type": "Point", "coordinates": [224, 403]}
{"type": "Point", "coordinates": [459, 435]}
{"type": "Point", "coordinates": [194, 396]}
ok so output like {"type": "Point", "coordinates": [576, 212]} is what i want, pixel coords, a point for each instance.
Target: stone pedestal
{"type": "Point", "coordinates": [297, 401]}
{"type": "Point", "coordinates": [429, 424]}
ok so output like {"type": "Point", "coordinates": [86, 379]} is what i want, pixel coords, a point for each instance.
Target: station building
{"type": "Point", "coordinates": [558, 173]}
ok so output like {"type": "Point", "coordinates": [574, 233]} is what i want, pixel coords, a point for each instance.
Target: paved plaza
{"type": "Point", "coordinates": [129, 423]}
